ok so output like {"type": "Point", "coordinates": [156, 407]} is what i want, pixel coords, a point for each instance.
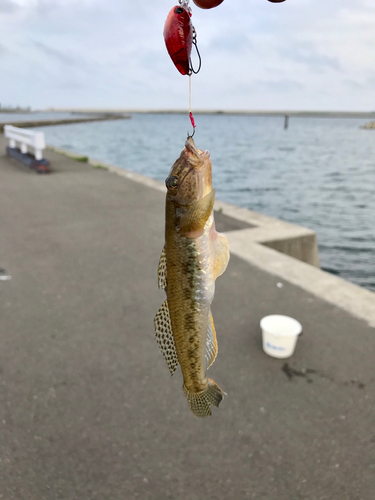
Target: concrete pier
{"type": "Point", "coordinates": [88, 409]}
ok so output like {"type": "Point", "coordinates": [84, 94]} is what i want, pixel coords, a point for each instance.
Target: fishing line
{"type": "Point", "coordinates": [180, 37]}
{"type": "Point", "coordinates": [189, 94]}
{"type": "Point", "coordinates": [190, 113]}
{"type": "Point", "coordinates": [191, 71]}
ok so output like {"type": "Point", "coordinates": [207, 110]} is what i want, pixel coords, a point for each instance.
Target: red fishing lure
{"type": "Point", "coordinates": [178, 36]}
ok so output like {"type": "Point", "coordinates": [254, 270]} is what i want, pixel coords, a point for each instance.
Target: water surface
{"type": "Point", "coordinates": [320, 173]}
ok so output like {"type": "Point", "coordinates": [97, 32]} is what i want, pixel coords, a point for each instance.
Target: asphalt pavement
{"type": "Point", "coordinates": [88, 409]}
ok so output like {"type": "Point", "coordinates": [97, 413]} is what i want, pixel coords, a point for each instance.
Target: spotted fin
{"type": "Point", "coordinates": [211, 342]}
{"type": "Point", "coordinates": [164, 336]}
{"type": "Point", "coordinates": [220, 250]}
{"type": "Point", "coordinates": [162, 271]}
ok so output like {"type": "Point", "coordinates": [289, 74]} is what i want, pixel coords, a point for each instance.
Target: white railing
{"type": "Point", "coordinates": [26, 138]}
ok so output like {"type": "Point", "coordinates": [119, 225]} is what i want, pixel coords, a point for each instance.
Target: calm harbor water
{"type": "Point", "coordinates": [320, 173]}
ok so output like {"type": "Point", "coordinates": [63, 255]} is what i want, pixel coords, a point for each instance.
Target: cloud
{"type": "Point", "coordinates": [282, 86]}
{"type": "Point", "coordinates": [3, 50]}
{"type": "Point", "coordinates": [354, 85]}
{"type": "Point", "coordinates": [308, 54]}
{"type": "Point", "coordinates": [7, 7]}
{"type": "Point", "coordinates": [60, 56]}
{"type": "Point", "coordinates": [230, 42]}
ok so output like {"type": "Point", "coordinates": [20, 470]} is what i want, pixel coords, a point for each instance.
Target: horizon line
{"type": "Point", "coordinates": [210, 111]}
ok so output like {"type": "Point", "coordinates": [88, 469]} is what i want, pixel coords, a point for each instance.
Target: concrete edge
{"type": "Point", "coordinates": [285, 237]}
{"type": "Point", "coordinates": [142, 179]}
{"type": "Point", "coordinates": [263, 245]}
{"type": "Point", "coordinates": [352, 298]}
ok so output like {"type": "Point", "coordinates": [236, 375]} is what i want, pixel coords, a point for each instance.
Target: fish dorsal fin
{"type": "Point", "coordinates": [164, 337]}
{"type": "Point", "coordinates": [162, 271]}
{"type": "Point", "coordinates": [220, 251]}
{"type": "Point", "coordinates": [196, 217]}
{"type": "Point", "coordinates": [211, 342]}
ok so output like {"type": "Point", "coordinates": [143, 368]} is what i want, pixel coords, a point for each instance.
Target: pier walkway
{"type": "Point", "coordinates": [88, 409]}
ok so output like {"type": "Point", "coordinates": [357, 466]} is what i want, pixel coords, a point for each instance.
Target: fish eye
{"type": "Point", "coordinates": [179, 10]}
{"type": "Point", "coordinates": [172, 182]}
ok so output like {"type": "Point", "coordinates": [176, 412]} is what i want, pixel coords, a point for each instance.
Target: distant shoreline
{"type": "Point", "coordinates": [22, 111]}
{"type": "Point", "coordinates": [64, 121]}
{"type": "Point", "coordinates": [302, 113]}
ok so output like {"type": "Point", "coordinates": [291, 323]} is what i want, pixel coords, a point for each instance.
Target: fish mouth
{"type": "Point", "coordinates": [192, 150]}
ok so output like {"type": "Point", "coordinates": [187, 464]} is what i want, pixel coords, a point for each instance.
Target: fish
{"type": "Point", "coordinates": [194, 255]}
{"type": "Point", "coordinates": [178, 37]}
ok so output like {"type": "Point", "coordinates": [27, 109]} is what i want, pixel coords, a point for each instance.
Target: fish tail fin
{"type": "Point", "coordinates": [201, 402]}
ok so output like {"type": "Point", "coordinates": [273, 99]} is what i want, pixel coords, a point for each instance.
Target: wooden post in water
{"type": "Point", "coordinates": [286, 122]}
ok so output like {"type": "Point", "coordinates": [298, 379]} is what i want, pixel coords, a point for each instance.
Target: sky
{"type": "Point", "coordinates": [256, 55]}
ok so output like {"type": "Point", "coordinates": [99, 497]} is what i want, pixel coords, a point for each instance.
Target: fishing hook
{"type": "Point", "coordinates": [191, 69]}
{"type": "Point", "coordinates": [191, 135]}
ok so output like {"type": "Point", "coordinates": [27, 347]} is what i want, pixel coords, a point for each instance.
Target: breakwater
{"type": "Point", "coordinates": [63, 121]}
{"type": "Point", "coordinates": [235, 112]}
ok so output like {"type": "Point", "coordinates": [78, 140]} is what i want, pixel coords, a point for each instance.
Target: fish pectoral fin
{"type": "Point", "coordinates": [164, 337]}
{"type": "Point", "coordinates": [162, 271]}
{"type": "Point", "coordinates": [211, 342]}
{"type": "Point", "coordinates": [197, 215]}
{"type": "Point", "coordinates": [220, 251]}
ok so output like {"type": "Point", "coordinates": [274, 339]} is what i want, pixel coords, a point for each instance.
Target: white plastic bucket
{"type": "Point", "coordinates": [280, 334]}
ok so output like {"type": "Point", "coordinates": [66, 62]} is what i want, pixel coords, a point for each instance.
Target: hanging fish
{"type": "Point", "coordinates": [178, 37]}
{"type": "Point", "coordinates": [194, 255]}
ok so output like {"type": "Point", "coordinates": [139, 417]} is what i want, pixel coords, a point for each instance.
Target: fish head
{"type": "Point", "coordinates": [190, 178]}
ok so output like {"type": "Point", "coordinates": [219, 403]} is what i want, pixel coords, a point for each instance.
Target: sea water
{"type": "Point", "coordinates": [320, 173]}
